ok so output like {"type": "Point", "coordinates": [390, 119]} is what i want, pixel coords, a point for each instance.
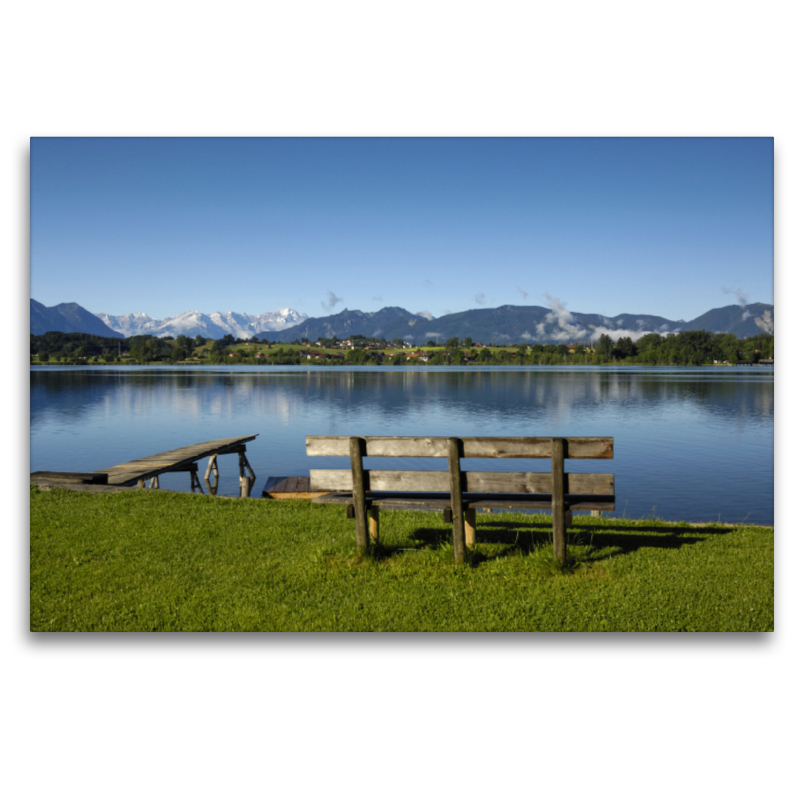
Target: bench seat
{"type": "Point", "coordinates": [472, 500]}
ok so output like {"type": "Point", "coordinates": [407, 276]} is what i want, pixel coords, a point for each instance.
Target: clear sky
{"type": "Point", "coordinates": [666, 226]}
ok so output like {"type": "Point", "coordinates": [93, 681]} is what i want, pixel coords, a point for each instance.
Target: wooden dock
{"type": "Point", "coordinates": [184, 459]}
{"type": "Point", "coordinates": [295, 487]}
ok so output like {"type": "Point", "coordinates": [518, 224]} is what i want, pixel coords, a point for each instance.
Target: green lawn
{"type": "Point", "coordinates": [163, 561]}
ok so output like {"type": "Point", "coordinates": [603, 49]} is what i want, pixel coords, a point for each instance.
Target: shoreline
{"type": "Point", "coordinates": [45, 486]}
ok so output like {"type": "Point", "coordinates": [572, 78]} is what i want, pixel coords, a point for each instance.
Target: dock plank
{"type": "Point", "coordinates": [294, 487]}
{"type": "Point", "coordinates": [131, 472]}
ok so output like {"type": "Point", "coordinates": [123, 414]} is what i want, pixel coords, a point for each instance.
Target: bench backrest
{"type": "Point", "coordinates": [341, 480]}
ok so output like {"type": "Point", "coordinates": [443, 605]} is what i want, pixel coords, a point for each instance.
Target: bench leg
{"type": "Point", "coordinates": [357, 447]}
{"type": "Point", "coordinates": [469, 527]}
{"type": "Point", "coordinates": [559, 535]}
{"type": "Point", "coordinates": [568, 519]}
{"type": "Point", "coordinates": [374, 523]}
{"type": "Point", "coordinates": [597, 513]}
{"type": "Point", "coordinates": [454, 448]}
{"type": "Point", "coordinates": [559, 509]}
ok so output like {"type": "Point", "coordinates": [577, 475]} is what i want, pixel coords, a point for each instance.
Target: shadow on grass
{"type": "Point", "coordinates": [604, 541]}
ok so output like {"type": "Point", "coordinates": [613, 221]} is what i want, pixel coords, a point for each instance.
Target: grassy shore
{"type": "Point", "coordinates": [163, 561]}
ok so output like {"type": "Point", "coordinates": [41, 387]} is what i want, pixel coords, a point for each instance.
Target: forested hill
{"type": "Point", "coordinates": [509, 324]}
{"type": "Point", "coordinates": [390, 323]}
{"type": "Point", "coordinates": [67, 318]}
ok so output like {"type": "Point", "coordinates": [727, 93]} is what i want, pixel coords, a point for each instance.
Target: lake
{"type": "Point", "coordinates": [690, 444]}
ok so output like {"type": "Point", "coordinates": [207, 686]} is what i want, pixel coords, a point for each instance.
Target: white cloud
{"type": "Point", "coordinates": [562, 319]}
{"type": "Point", "coordinates": [566, 329]}
{"type": "Point", "coordinates": [740, 295]}
{"type": "Point", "coordinates": [616, 333]}
{"type": "Point", "coordinates": [766, 323]}
{"type": "Point", "coordinates": [333, 300]}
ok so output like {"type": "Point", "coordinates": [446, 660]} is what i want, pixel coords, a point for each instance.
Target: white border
{"type": "Point", "coordinates": [621, 716]}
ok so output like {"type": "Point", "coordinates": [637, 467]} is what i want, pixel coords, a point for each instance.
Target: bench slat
{"type": "Point", "coordinates": [341, 480]}
{"type": "Point", "coordinates": [442, 500]}
{"type": "Point", "coordinates": [474, 446]}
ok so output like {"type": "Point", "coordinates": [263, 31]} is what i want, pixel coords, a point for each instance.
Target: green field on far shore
{"type": "Point", "coordinates": [162, 561]}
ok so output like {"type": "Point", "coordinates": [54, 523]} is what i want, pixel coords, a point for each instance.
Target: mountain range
{"type": "Point", "coordinates": [212, 326]}
{"type": "Point", "coordinates": [518, 324]}
{"type": "Point", "coordinates": [487, 325]}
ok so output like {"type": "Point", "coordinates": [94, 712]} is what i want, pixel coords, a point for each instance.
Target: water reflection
{"type": "Point", "coordinates": [675, 430]}
{"type": "Point", "coordinates": [514, 397]}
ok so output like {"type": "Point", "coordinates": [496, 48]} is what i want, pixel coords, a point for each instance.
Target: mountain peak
{"type": "Point", "coordinates": [213, 326]}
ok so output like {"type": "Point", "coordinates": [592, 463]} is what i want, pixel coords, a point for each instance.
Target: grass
{"type": "Point", "coordinates": [163, 561]}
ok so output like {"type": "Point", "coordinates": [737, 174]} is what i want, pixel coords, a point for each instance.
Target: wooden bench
{"type": "Point", "coordinates": [457, 492]}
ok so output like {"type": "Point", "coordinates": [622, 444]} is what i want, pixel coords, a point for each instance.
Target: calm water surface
{"type": "Point", "coordinates": [690, 443]}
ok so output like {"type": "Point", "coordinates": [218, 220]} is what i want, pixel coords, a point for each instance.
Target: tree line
{"type": "Point", "coordinates": [681, 349]}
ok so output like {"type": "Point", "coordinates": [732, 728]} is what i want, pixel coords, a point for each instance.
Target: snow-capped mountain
{"type": "Point", "coordinates": [212, 326]}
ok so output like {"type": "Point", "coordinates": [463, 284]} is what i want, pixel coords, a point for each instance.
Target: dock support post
{"type": "Point", "coordinates": [559, 511]}
{"type": "Point", "coordinates": [456, 499]}
{"type": "Point", "coordinates": [195, 480]}
{"type": "Point", "coordinates": [245, 483]}
{"type": "Point", "coordinates": [212, 464]}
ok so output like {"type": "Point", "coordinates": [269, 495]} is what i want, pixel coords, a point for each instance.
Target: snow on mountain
{"type": "Point", "coordinates": [127, 324]}
{"type": "Point", "coordinates": [212, 326]}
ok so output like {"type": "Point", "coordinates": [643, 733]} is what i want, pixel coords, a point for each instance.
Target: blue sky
{"type": "Point", "coordinates": [666, 226]}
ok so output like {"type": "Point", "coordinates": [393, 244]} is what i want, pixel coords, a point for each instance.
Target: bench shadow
{"type": "Point", "coordinates": [604, 540]}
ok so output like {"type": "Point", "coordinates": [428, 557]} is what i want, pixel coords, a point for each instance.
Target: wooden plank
{"type": "Point", "coordinates": [149, 466]}
{"type": "Point", "coordinates": [292, 495]}
{"type": "Point", "coordinates": [96, 478]}
{"type": "Point", "coordinates": [559, 521]}
{"type": "Point", "coordinates": [410, 500]}
{"type": "Point", "coordinates": [539, 482]}
{"type": "Point", "coordinates": [456, 500]}
{"type": "Point", "coordinates": [291, 484]}
{"type": "Point", "coordinates": [276, 489]}
{"type": "Point", "coordinates": [473, 446]}
{"type": "Point", "coordinates": [359, 491]}
{"type": "Point", "coordinates": [340, 480]}
{"type": "Point", "coordinates": [273, 484]}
